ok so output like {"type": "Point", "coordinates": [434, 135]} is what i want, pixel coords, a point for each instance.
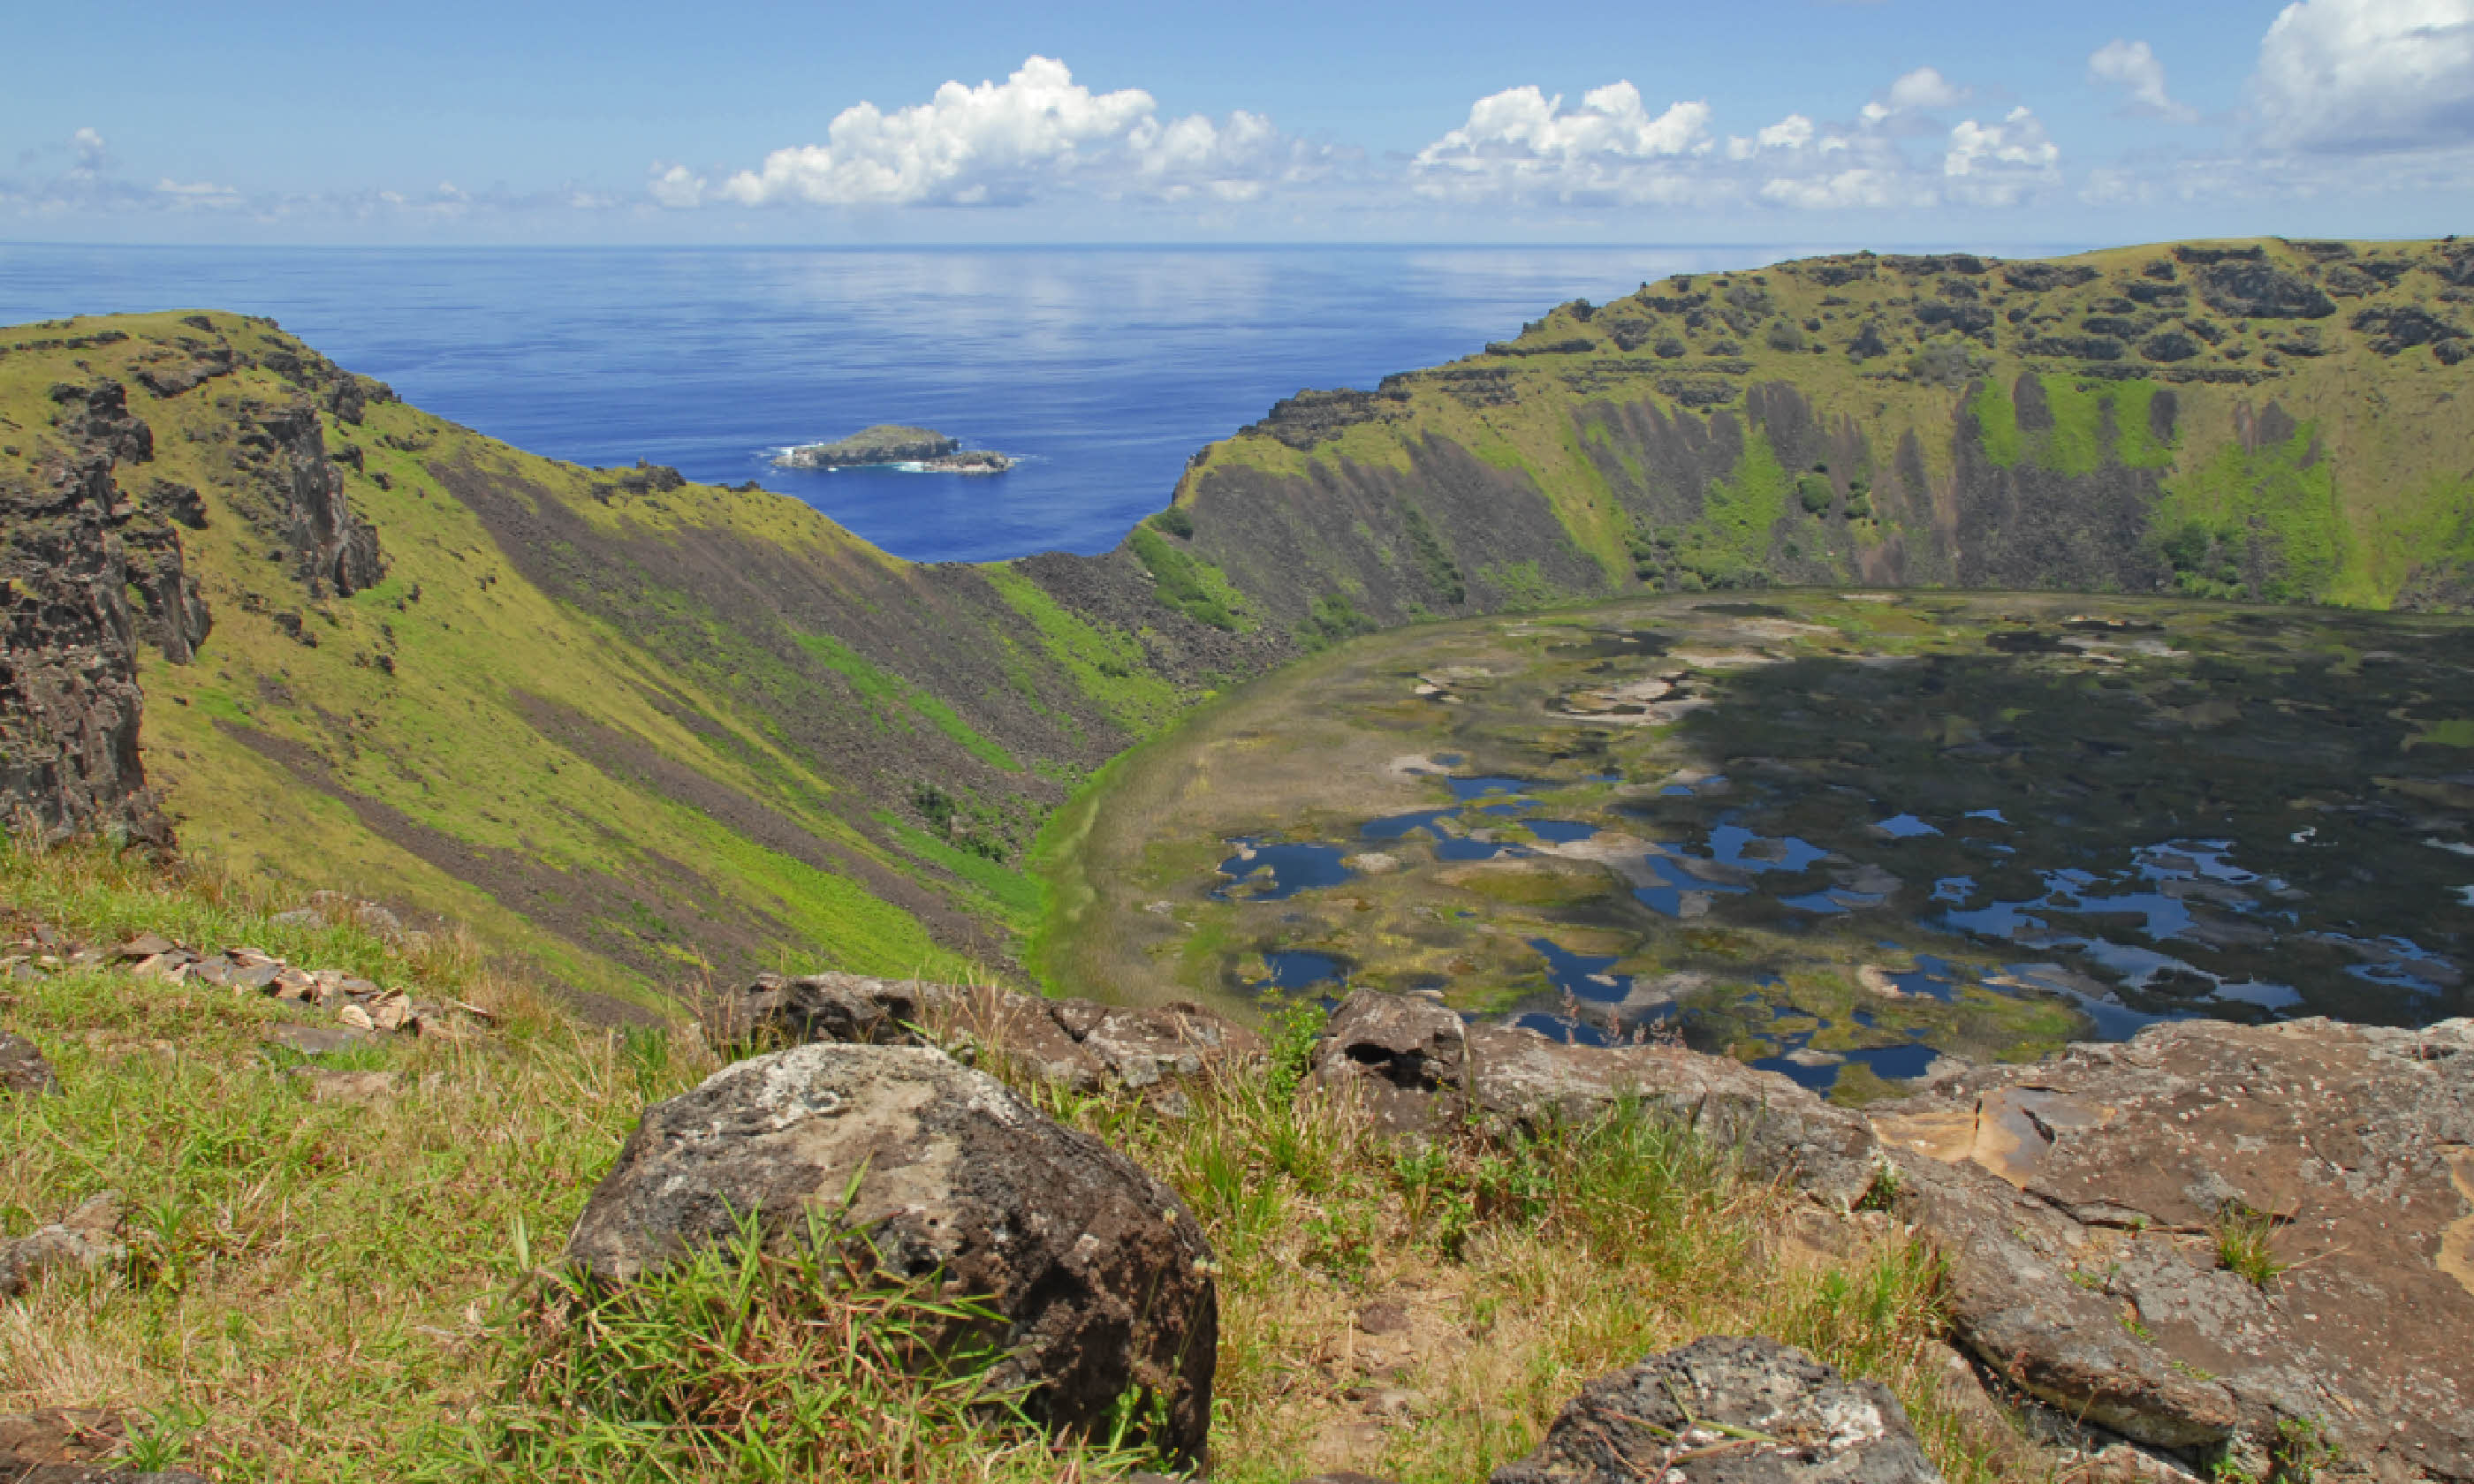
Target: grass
{"type": "Point", "coordinates": [2245, 1245]}
{"type": "Point", "coordinates": [324, 1292]}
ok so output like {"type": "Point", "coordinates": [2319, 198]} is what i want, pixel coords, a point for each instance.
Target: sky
{"type": "Point", "coordinates": [1887, 123]}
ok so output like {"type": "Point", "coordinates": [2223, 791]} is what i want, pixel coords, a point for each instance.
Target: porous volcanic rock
{"type": "Point", "coordinates": [1101, 1275]}
{"type": "Point", "coordinates": [23, 1070]}
{"type": "Point", "coordinates": [1733, 1409]}
{"type": "Point", "coordinates": [2080, 1202]}
{"type": "Point", "coordinates": [1080, 1042]}
{"type": "Point", "coordinates": [1406, 1056]}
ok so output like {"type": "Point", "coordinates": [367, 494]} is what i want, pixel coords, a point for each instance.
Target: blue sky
{"type": "Point", "coordinates": [1896, 121]}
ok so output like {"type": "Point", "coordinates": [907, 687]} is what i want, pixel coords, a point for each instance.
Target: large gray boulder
{"type": "Point", "coordinates": [83, 1241]}
{"type": "Point", "coordinates": [1103, 1276]}
{"type": "Point", "coordinates": [2080, 1203]}
{"type": "Point", "coordinates": [1726, 1410]}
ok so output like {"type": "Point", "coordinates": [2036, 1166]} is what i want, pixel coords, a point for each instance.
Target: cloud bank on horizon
{"type": "Point", "coordinates": [2342, 96]}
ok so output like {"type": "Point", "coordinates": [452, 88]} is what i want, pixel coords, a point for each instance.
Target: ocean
{"type": "Point", "coordinates": [1099, 368]}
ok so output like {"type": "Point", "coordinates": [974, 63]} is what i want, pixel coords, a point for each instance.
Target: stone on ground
{"type": "Point", "coordinates": [2080, 1202]}
{"type": "Point", "coordinates": [23, 1071]}
{"type": "Point", "coordinates": [1738, 1410]}
{"type": "Point", "coordinates": [85, 1239]}
{"type": "Point", "coordinates": [1101, 1275]}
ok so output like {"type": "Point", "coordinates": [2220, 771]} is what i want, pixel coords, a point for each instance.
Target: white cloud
{"type": "Point", "coordinates": [1917, 91]}
{"type": "Point", "coordinates": [676, 187]}
{"type": "Point", "coordinates": [2000, 164]}
{"type": "Point", "coordinates": [89, 151]}
{"type": "Point", "coordinates": [2347, 76]}
{"type": "Point", "coordinates": [1614, 150]}
{"type": "Point", "coordinates": [2134, 67]}
{"type": "Point", "coordinates": [1002, 143]}
{"type": "Point", "coordinates": [1520, 142]}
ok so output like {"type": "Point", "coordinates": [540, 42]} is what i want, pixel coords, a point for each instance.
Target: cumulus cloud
{"type": "Point", "coordinates": [1614, 150]}
{"type": "Point", "coordinates": [87, 149]}
{"type": "Point", "coordinates": [1999, 164]}
{"type": "Point", "coordinates": [1004, 143]}
{"type": "Point", "coordinates": [2355, 76]}
{"type": "Point", "coordinates": [1520, 142]}
{"type": "Point", "coordinates": [2133, 67]}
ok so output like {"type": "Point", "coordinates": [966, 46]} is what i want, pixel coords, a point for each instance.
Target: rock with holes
{"type": "Point", "coordinates": [1737, 1410]}
{"type": "Point", "coordinates": [1102, 1276]}
{"type": "Point", "coordinates": [2100, 1211]}
{"type": "Point", "coordinates": [1406, 1058]}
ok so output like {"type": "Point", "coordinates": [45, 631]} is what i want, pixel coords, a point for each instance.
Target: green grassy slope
{"type": "Point", "coordinates": [641, 729]}
{"type": "Point", "coordinates": [2270, 419]}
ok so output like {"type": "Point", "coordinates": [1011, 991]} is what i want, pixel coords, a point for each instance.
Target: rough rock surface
{"type": "Point", "coordinates": [1076, 1042]}
{"type": "Point", "coordinates": [1741, 1410]}
{"type": "Point", "coordinates": [69, 700]}
{"type": "Point", "coordinates": [1419, 1070]}
{"type": "Point", "coordinates": [293, 492]}
{"type": "Point", "coordinates": [2080, 1202]}
{"type": "Point", "coordinates": [1101, 1273]}
{"type": "Point", "coordinates": [1406, 1056]}
{"type": "Point", "coordinates": [23, 1071]}
{"type": "Point", "coordinates": [79, 1241]}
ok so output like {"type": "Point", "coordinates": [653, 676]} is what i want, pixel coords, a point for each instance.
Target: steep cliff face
{"type": "Point", "coordinates": [2272, 420]}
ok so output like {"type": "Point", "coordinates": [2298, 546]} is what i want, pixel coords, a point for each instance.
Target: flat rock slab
{"type": "Point", "coordinates": [1728, 1410]}
{"type": "Point", "coordinates": [1102, 1276]}
{"type": "Point", "coordinates": [2081, 1201]}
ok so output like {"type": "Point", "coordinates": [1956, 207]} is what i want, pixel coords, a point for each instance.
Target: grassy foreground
{"type": "Point", "coordinates": [325, 1290]}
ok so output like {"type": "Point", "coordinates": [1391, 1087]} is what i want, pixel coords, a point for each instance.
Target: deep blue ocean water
{"type": "Point", "coordinates": [1100, 369]}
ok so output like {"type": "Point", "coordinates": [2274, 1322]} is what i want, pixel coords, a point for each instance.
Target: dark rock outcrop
{"type": "Point", "coordinates": [1076, 1042]}
{"type": "Point", "coordinates": [2094, 1209]}
{"type": "Point", "coordinates": [1100, 1274]}
{"type": "Point", "coordinates": [1737, 1410]}
{"type": "Point", "coordinates": [23, 1071]}
{"type": "Point", "coordinates": [294, 494]}
{"type": "Point", "coordinates": [69, 700]}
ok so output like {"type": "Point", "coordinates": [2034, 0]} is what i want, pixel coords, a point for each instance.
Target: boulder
{"type": "Point", "coordinates": [1101, 1275]}
{"type": "Point", "coordinates": [2085, 1205]}
{"type": "Point", "coordinates": [1076, 1042]}
{"type": "Point", "coordinates": [82, 1240]}
{"type": "Point", "coordinates": [23, 1071]}
{"type": "Point", "coordinates": [1738, 1410]}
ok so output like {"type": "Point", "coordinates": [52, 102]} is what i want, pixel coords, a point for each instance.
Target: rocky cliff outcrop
{"type": "Point", "coordinates": [291, 491]}
{"type": "Point", "coordinates": [72, 549]}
